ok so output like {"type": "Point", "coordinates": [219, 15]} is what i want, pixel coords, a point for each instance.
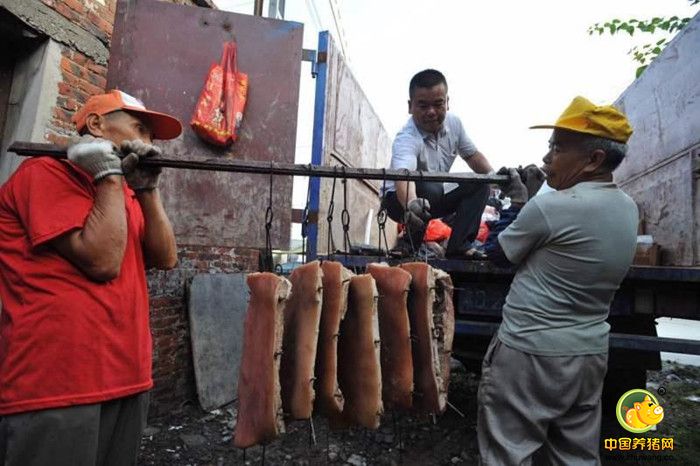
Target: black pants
{"type": "Point", "coordinates": [101, 434]}
{"type": "Point", "coordinates": [467, 202]}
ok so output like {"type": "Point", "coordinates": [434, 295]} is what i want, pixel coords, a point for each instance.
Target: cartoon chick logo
{"type": "Point", "coordinates": [638, 411]}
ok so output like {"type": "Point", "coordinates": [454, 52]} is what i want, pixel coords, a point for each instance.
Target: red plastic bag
{"type": "Point", "coordinates": [437, 231]}
{"type": "Point", "coordinates": [219, 111]}
{"type": "Point", "coordinates": [484, 231]}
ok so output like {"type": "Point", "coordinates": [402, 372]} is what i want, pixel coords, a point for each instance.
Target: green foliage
{"type": "Point", "coordinates": [644, 54]}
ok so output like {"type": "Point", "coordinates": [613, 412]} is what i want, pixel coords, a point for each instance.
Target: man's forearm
{"type": "Point", "coordinates": [479, 163]}
{"type": "Point", "coordinates": [405, 192]}
{"type": "Point", "coordinates": [98, 248]}
{"type": "Point", "coordinates": [159, 247]}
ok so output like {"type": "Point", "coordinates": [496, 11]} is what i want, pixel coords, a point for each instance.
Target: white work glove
{"type": "Point", "coordinates": [419, 207]}
{"type": "Point", "coordinates": [140, 178]}
{"type": "Point", "coordinates": [515, 189]}
{"type": "Point", "coordinates": [96, 156]}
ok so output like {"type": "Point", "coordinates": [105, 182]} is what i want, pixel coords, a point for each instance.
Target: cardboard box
{"type": "Point", "coordinates": [647, 254]}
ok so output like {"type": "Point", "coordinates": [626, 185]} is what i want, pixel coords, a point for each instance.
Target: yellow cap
{"type": "Point", "coordinates": [582, 116]}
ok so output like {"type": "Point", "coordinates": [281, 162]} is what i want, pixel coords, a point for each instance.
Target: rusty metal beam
{"type": "Point", "coordinates": [266, 168]}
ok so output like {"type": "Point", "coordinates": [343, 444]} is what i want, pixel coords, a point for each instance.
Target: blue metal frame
{"type": "Point", "coordinates": [321, 72]}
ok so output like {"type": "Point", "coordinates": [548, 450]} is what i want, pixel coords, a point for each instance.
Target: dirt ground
{"type": "Point", "coordinates": [194, 437]}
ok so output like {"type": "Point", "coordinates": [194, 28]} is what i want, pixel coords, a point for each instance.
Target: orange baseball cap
{"type": "Point", "coordinates": [582, 116]}
{"type": "Point", "coordinates": [163, 126]}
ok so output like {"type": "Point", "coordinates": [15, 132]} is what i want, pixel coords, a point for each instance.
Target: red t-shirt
{"type": "Point", "coordinates": [65, 339]}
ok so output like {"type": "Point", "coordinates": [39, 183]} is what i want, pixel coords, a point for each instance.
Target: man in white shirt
{"type": "Point", "coordinates": [430, 141]}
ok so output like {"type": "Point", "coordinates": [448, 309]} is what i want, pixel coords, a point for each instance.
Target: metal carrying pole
{"type": "Point", "coordinates": [275, 168]}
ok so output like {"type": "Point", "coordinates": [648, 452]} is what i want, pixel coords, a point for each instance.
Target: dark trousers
{"type": "Point", "coordinates": [467, 202]}
{"type": "Point", "coordinates": [107, 433]}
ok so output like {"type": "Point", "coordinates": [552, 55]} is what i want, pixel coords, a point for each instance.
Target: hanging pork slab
{"type": "Point", "coordinates": [359, 370]}
{"type": "Point", "coordinates": [302, 316]}
{"type": "Point", "coordinates": [329, 398]}
{"type": "Point", "coordinates": [430, 395]}
{"type": "Point", "coordinates": [260, 416]}
{"type": "Point", "coordinates": [393, 285]}
{"type": "Point", "coordinates": [444, 321]}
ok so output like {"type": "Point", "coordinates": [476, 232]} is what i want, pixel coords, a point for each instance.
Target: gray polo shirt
{"type": "Point", "coordinates": [573, 248]}
{"type": "Point", "coordinates": [414, 149]}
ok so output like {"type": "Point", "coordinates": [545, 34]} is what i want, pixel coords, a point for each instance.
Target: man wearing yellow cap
{"type": "Point", "coordinates": [75, 238]}
{"type": "Point", "coordinates": [543, 372]}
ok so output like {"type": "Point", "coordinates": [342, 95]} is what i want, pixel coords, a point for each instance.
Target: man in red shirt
{"type": "Point", "coordinates": [75, 238]}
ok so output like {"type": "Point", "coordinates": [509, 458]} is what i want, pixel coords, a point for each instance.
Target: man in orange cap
{"type": "Point", "coordinates": [75, 238]}
{"type": "Point", "coordinates": [542, 375]}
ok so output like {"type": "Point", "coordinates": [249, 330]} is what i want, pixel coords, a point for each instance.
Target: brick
{"type": "Point", "coordinates": [76, 6]}
{"type": "Point", "coordinates": [164, 301]}
{"type": "Point", "coordinates": [77, 57]}
{"type": "Point", "coordinates": [73, 92]}
{"type": "Point", "coordinates": [68, 13]}
{"type": "Point", "coordinates": [97, 80]}
{"type": "Point", "coordinates": [62, 124]}
{"type": "Point", "coordinates": [99, 69]}
{"type": "Point", "coordinates": [56, 139]}
{"type": "Point", "coordinates": [68, 103]}
{"type": "Point", "coordinates": [62, 114]}
{"type": "Point", "coordinates": [90, 88]}
{"type": "Point", "coordinates": [61, 127]}
{"type": "Point", "coordinates": [101, 23]}
{"type": "Point", "coordinates": [69, 67]}
{"type": "Point", "coordinates": [106, 15]}
{"type": "Point", "coordinates": [68, 77]}
{"type": "Point", "coordinates": [65, 89]}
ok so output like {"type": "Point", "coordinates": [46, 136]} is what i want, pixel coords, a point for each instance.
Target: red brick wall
{"type": "Point", "coordinates": [173, 373]}
{"type": "Point", "coordinates": [172, 360]}
{"type": "Point", "coordinates": [95, 16]}
{"type": "Point", "coordinates": [82, 77]}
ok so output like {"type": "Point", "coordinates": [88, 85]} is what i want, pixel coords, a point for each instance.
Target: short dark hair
{"type": "Point", "coordinates": [426, 79]}
{"type": "Point", "coordinates": [615, 151]}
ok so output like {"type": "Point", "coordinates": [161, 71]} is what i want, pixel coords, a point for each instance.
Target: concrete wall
{"type": "Point", "coordinates": [31, 104]}
{"type": "Point", "coordinates": [662, 170]}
